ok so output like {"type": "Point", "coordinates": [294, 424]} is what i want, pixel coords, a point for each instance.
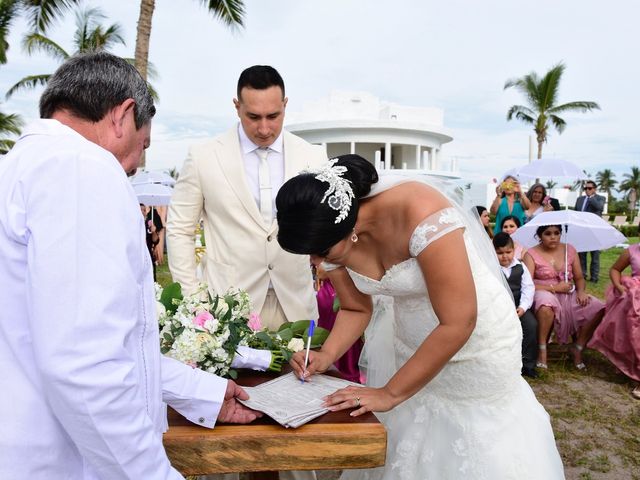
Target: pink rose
{"type": "Point", "coordinates": [254, 322]}
{"type": "Point", "coordinates": [201, 318]}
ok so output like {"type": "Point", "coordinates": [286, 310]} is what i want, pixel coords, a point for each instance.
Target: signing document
{"type": "Point", "coordinates": [291, 403]}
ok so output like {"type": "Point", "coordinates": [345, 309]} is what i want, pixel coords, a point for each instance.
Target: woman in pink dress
{"type": "Point", "coordinates": [327, 311]}
{"type": "Point", "coordinates": [561, 303]}
{"type": "Point", "coordinates": [618, 336]}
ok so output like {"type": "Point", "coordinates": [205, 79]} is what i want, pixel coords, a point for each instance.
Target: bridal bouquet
{"type": "Point", "coordinates": [217, 333]}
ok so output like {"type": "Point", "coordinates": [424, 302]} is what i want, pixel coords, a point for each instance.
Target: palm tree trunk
{"type": "Point", "coordinates": [142, 36]}
{"type": "Point", "coordinates": [540, 149]}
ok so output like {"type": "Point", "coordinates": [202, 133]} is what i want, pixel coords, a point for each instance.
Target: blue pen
{"type": "Point", "coordinates": [312, 326]}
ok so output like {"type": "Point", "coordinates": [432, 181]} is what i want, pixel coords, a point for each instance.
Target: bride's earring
{"type": "Point", "coordinates": [354, 237]}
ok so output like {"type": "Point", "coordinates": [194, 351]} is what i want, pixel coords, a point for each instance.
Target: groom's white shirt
{"type": "Point", "coordinates": [82, 380]}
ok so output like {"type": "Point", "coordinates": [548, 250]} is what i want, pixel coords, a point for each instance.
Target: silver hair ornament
{"type": "Point", "coordinates": [339, 196]}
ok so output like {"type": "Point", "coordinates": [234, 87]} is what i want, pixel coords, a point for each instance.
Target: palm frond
{"type": "Point", "coordinates": [8, 13]}
{"type": "Point", "coordinates": [575, 106]}
{"type": "Point", "coordinates": [6, 145]}
{"type": "Point", "coordinates": [10, 123]}
{"type": "Point", "coordinates": [522, 113]}
{"type": "Point", "coordinates": [229, 12]}
{"type": "Point", "coordinates": [29, 82]}
{"type": "Point", "coordinates": [41, 13]}
{"type": "Point", "coordinates": [527, 86]}
{"type": "Point", "coordinates": [558, 123]}
{"type": "Point", "coordinates": [549, 86]}
{"type": "Point", "coordinates": [35, 42]}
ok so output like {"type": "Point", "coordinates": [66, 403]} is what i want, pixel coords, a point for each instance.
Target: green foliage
{"type": "Point", "coordinates": [171, 292]}
{"type": "Point", "coordinates": [543, 110]}
{"type": "Point", "coordinates": [39, 13]}
{"type": "Point", "coordinates": [90, 35]}
{"type": "Point", "coordinates": [9, 124]}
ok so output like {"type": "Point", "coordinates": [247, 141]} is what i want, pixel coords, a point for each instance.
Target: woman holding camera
{"type": "Point", "coordinates": [509, 201]}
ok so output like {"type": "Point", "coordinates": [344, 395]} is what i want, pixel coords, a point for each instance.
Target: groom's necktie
{"type": "Point", "coordinates": [585, 203]}
{"type": "Point", "coordinates": [264, 181]}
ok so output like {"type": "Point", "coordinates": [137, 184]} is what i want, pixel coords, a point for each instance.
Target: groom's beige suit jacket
{"type": "Point", "coordinates": [241, 249]}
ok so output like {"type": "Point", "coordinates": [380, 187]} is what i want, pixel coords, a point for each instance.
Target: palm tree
{"type": "Point", "coordinates": [630, 186]}
{"type": "Point", "coordinates": [40, 14]}
{"type": "Point", "coordinates": [551, 184]}
{"type": "Point", "coordinates": [89, 36]}
{"type": "Point", "coordinates": [606, 182]}
{"type": "Point", "coordinates": [8, 124]}
{"type": "Point", "coordinates": [542, 99]}
{"type": "Point", "coordinates": [230, 12]}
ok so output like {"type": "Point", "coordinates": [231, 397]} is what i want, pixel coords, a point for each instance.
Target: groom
{"type": "Point", "coordinates": [231, 181]}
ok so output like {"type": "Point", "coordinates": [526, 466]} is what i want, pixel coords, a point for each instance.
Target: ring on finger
{"type": "Point", "coordinates": [357, 402]}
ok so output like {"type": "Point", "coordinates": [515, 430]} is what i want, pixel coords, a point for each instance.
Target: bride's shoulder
{"type": "Point", "coordinates": [422, 201]}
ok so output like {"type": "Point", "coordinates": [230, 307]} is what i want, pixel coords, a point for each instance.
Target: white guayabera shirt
{"type": "Point", "coordinates": [82, 380]}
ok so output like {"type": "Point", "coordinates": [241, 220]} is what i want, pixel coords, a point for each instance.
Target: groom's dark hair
{"type": "Point", "coordinates": [260, 77]}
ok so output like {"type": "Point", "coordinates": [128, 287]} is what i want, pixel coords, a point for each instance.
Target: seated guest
{"type": "Point", "coordinates": [618, 336]}
{"type": "Point", "coordinates": [539, 201]}
{"type": "Point", "coordinates": [560, 299]}
{"type": "Point", "coordinates": [509, 225]}
{"type": "Point", "coordinates": [483, 213]}
{"type": "Point", "coordinates": [522, 288]}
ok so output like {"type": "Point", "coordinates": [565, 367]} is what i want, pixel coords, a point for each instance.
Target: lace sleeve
{"type": "Point", "coordinates": [432, 228]}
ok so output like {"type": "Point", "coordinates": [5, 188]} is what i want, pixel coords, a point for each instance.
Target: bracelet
{"type": "Point", "coordinates": [552, 288]}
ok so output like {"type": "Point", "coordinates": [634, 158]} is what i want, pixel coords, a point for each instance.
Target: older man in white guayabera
{"type": "Point", "coordinates": [231, 181]}
{"type": "Point", "coordinates": [83, 380]}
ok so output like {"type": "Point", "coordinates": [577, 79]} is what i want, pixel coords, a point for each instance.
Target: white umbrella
{"type": "Point", "coordinates": [551, 168]}
{"type": "Point", "coordinates": [153, 194]}
{"type": "Point", "coordinates": [584, 230]}
{"type": "Point", "coordinates": [141, 178]}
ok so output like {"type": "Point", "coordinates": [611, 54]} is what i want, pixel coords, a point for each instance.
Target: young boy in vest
{"type": "Point", "coordinates": [523, 289]}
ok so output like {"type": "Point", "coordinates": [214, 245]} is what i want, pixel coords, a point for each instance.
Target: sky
{"type": "Point", "coordinates": [451, 54]}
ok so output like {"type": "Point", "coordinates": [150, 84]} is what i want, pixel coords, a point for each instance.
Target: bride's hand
{"type": "Point", "coordinates": [318, 362]}
{"type": "Point", "coordinates": [362, 399]}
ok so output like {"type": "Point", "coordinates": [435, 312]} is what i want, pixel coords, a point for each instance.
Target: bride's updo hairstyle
{"type": "Point", "coordinates": [306, 224]}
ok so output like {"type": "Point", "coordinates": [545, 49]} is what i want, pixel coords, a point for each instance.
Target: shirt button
{"type": "Point", "coordinates": [201, 419]}
{"type": "Point", "coordinates": [270, 267]}
{"type": "Point", "coordinates": [269, 238]}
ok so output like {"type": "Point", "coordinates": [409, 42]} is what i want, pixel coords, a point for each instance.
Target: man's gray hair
{"type": "Point", "coordinates": [91, 84]}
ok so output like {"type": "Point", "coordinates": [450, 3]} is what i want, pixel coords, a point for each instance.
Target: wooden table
{"type": "Point", "coordinates": [333, 441]}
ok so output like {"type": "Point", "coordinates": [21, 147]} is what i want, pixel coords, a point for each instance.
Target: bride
{"type": "Point", "coordinates": [457, 405]}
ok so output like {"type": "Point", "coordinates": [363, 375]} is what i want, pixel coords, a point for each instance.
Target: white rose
{"type": "Point", "coordinates": [295, 344]}
{"type": "Point", "coordinates": [160, 309]}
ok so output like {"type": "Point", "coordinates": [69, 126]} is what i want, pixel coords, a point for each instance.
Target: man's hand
{"type": "Point", "coordinates": [234, 412]}
{"type": "Point", "coordinates": [520, 311]}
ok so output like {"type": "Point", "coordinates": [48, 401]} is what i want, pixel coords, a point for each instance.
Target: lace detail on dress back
{"type": "Point", "coordinates": [432, 228]}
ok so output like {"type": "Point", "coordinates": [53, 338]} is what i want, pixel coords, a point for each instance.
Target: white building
{"type": "Point", "coordinates": [388, 135]}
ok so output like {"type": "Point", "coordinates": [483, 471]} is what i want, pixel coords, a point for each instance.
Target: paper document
{"type": "Point", "coordinates": [290, 402]}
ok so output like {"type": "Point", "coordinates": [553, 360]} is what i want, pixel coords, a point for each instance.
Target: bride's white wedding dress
{"type": "Point", "coordinates": [477, 419]}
